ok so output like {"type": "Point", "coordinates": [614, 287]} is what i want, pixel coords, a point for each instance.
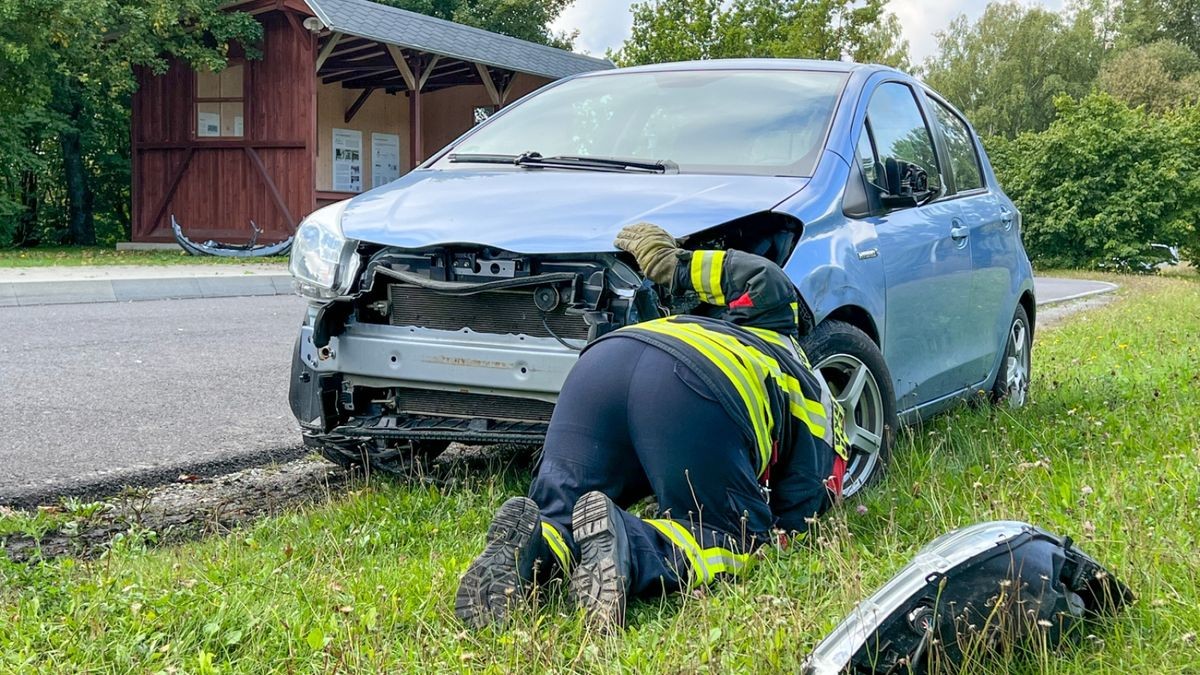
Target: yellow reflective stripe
{"type": "Point", "coordinates": [696, 269]}
{"type": "Point", "coordinates": [801, 407]}
{"type": "Point", "coordinates": [717, 262]}
{"type": "Point", "coordinates": [796, 312]}
{"type": "Point", "coordinates": [737, 376]}
{"type": "Point", "coordinates": [705, 270]}
{"type": "Point", "coordinates": [752, 364]}
{"type": "Point", "coordinates": [706, 563]}
{"type": "Point", "coordinates": [723, 560]}
{"type": "Point", "coordinates": [558, 546]}
{"type": "Point", "coordinates": [682, 539]}
{"type": "Point", "coordinates": [768, 335]}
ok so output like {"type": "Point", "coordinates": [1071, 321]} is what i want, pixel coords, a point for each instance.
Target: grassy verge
{"type": "Point", "coordinates": [76, 256]}
{"type": "Point", "coordinates": [1108, 451]}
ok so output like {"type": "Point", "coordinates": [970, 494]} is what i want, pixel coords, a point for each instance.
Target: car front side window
{"type": "Point", "coordinates": [899, 130]}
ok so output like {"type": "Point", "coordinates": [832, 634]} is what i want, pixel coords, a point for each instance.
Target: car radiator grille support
{"type": "Point", "coordinates": [499, 312]}
{"type": "Point", "coordinates": [444, 428]}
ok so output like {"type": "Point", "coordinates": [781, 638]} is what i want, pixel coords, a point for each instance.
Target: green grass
{"type": "Point", "coordinates": [75, 256]}
{"type": "Point", "coordinates": [1108, 452]}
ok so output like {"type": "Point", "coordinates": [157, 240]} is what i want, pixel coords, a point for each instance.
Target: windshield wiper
{"type": "Point", "coordinates": [482, 159]}
{"type": "Point", "coordinates": [535, 160]}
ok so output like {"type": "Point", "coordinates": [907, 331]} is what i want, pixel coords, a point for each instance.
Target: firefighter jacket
{"type": "Point", "coordinates": [751, 361]}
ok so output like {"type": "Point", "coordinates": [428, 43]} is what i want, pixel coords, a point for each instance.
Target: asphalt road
{"type": "Point", "coordinates": [96, 396]}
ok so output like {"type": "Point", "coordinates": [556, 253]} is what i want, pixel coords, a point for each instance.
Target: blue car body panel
{"type": "Point", "coordinates": [939, 307]}
{"type": "Point", "coordinates": [550, 211]}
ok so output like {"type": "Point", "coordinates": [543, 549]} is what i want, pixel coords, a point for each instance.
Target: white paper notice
{"type": "Point", "coordinates": [385, 158]}
{"type": "Point", "coordinates": [347, 160]}
{"type": "Point", "coordinates": [208, 124]}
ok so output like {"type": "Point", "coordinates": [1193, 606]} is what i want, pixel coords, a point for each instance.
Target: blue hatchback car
{"type": "Point", "coordinates": [450, 304]}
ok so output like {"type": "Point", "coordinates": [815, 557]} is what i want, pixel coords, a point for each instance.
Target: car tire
{"type": "Point", "coordinates": [1016, 367]}
{"type": "Point", "coordinates": [351, 453]}
{"type": "Point", "coordinates": [858, 377]}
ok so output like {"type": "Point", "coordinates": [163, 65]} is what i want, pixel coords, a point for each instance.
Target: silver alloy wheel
{"type": "Point", "coordinates": [855, 387]}
{"type": "Point", "coordinates": [1017, 364]}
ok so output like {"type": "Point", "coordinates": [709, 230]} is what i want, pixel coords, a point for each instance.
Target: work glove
{"type": "Point", "coordinates": [654, 250]}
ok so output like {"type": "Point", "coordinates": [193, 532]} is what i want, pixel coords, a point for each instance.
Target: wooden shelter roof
{"type": "Point", "coordinates": [358, 25]}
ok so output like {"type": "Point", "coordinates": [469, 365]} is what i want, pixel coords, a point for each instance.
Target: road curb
{"type": "Point", "coordinates": [63, 292]}
{"type": "Point", "coordinates": [1107, 288]}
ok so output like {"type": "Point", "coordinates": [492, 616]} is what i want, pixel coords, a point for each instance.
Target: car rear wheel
{"type": "Point", "coordinates": [1012, 380]}
{"type": "Point", "coordinates": [858, 377]}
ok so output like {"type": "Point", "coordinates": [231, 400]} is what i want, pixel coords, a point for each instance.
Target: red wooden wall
{"type": "Point", "coordinates": [215, 186]}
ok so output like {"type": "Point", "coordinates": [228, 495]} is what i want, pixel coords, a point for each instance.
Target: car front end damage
{"type": "Point", "coordinates": [452, 342]}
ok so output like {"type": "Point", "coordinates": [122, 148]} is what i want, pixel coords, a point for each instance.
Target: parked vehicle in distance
{"type": "Point", "coordinates": [1154, 258]}
{"type": "Point", "coordinates": [450, 304]}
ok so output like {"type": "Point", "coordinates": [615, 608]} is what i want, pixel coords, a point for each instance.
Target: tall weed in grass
{"type": "Point", "coordinates": [1108, 451]}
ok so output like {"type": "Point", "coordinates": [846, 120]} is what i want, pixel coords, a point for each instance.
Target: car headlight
{"type": "Point", "coordinates": [973, 589]}
{"type": "Point", "coordinates": [323, 262]}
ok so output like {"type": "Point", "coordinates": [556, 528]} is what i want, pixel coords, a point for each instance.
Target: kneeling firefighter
{"type": "Point", "coordinates": [722, 420]}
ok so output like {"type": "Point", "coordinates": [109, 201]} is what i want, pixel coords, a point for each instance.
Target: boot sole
{"type": "Point", "coordinates": [493, 584]}
{"type": "Point", "coordinates": [599, 581]}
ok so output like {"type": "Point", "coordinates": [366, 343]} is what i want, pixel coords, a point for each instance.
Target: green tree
{"type": "Point", "coordinates": [1103, 182]}
{"type": "Point", "coordinates": [525, 19]}
{"type": "Point", "coordinates": [1146, 21]}
{"type": "Point", "coordinates": [1161, 75]}
{"type": "Point", "coordinates": [681, 30]}
{"type": "Point", "coordinates": [66, 73]}
{"type": "Point", "coordinates": [1005, 70]}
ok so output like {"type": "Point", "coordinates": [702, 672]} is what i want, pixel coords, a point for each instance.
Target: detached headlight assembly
{"type": "Point", "coordinates": [323, 262]}
{"type": "Point", "coordinates": [983, 589]}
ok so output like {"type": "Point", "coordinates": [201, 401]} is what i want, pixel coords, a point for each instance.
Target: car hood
{"type": "Point", "coordinates": [546, 211]}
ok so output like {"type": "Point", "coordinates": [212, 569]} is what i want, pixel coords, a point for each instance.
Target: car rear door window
{"type": "Point", "coordinates": [899, 130]}
{"type": "Point", "coordinates": [964, 160]}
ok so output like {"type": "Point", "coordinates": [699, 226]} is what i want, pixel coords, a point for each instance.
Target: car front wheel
{"type": "Point", "coordinates": [858, 377]}
{"type": "Point", "coordinates": [1012, 381]}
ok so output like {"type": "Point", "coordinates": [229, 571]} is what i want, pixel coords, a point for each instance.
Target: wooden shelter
{"type": "Point", "coordinates": [348, 94]}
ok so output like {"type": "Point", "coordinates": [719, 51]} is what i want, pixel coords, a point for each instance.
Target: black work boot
{"type": "Point", "coordinates": [600, 582]}
{"type": "Point", "coordinates": [500, 578]}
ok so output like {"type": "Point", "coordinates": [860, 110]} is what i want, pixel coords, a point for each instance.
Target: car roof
{"type": "Point", "coordinates": [751, 64]}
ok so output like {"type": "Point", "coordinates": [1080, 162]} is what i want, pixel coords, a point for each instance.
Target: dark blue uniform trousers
{"type": "Point", "coordinates": [633, 421]}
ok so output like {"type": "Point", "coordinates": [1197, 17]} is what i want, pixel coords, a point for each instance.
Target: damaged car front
{"type": "Point", "coordinates": [450, 305]}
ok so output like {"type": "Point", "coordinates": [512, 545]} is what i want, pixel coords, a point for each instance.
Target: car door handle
{"type": "Point", "coordinates": [958, 233]}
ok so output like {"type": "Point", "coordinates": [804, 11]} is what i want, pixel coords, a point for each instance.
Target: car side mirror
{"type": "Point", "coordinates": [909, 183]}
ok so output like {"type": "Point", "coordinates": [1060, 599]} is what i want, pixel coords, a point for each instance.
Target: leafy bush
{"type": "Point", "coordinates": [1105, 181]}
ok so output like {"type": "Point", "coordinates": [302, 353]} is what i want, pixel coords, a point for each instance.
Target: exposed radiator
{"type": "Point", "coordinates": [500, 312]}
{"type": "Point", "coordinates": [457, 404]}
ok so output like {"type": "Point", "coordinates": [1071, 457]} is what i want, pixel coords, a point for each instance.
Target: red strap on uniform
{"type": "Point", "coordinates": [742, 300]}
{"type": "Point", "coordinates": [765, 479]}
{"type": "Point", "coordinates": [834, 482]}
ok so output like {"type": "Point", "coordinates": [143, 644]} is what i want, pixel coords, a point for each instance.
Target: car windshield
{"type": "Point", "coordinates": [764, 122]}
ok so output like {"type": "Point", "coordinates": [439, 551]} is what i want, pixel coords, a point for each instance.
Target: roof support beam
{"type": "Point", "coordinates": [402, 65]}
{"type": "Point", "coordinates": [489, 84]}
{"type": "Point", "coordinates": [327, 50]}
{"type": "Point", "coordinates": [346, 75]}
{"type": "Point", "coordinates": [427, 71]}
{"type": "Point", "coordinates": [349, 46]}
{"type": "Point", "coordinates": [358, 103]}
{"type": "Point", "coordinates": [507, 88]}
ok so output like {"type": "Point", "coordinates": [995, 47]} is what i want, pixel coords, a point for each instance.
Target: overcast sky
{"type": "Point", "coordinates": [605, 23]}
